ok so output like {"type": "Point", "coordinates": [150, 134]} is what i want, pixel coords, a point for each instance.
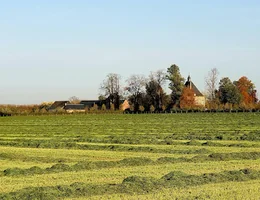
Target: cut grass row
{"type": "Point", "coordinates": [217, 191]}
{"type": "Point", "coordinates": [39, 156]}
{"type": "Point", "coordinates": [8, 141]}
{"type": "Point", "coordinates": [140, 161]}
{"type": "Point", "coordinates": [97, 150]}
{"type": "Point", "coordinates": [115, 175]}
{"type": "Point", "coordinates": [137, 138]}
{"type": "Point", "coordinates": [129, 148]}
{"type": "Point", "coordinates": [133, 185]}
{"type": "Point", "coordinates": [137, 128]}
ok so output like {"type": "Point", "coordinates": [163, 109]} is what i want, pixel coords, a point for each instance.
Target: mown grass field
{"type": "Point", "coordinates": [155, 156]}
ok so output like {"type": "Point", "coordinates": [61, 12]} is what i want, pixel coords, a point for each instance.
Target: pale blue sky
{"type": "Point", "coordinates": [52, 50]}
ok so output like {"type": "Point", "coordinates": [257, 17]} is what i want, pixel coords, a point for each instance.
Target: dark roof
{"type": "Point", "coordinates": [74, 107]}
{"type": "Point", "coordinates": [90, 103]}
{"type": "Point", "coordinates": [58, 104]}
{"type": "Point", "coordinates": [190, 84]}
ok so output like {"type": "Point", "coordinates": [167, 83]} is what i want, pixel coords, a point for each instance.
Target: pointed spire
{"type": "Point", "coordinates": [189, 78]}
{"type": "Point", "coordinates": [189, 81]}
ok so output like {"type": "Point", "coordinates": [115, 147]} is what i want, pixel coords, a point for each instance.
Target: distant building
{"type": "Point", "coordinates": [124, 104]}
{"type": "Point", "coordinates": [58, 105]}
{"type": "Point", "coordinates": [81, 107]}
{"type": "Point", "coordinates": [90, 103]}
{"type": "Point", "coordinates": [71, 108]}
{"type": "Point", "coordinates": [200, 99]}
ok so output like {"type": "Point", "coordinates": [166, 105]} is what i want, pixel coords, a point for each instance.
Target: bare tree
{"type": "Point", "coordinates": [74, 100]}
{"type": "Point", "coordinates": [158, 76]}
{"type": "Point", "coordinates": [154, 89]}
{"type": "Point", "coordinates": [135, 89]}
{"type": "Point", "coordinates": [111, 89]}
{"type": "Point", "coordinates": [211, 81]}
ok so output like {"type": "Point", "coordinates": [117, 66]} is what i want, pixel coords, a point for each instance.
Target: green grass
{"type": "Point", "coordinates": [219, 191]}
{"type": "Point", "coordinates": [100, 151]}
{"type": "Point", "coordinates": [133, 185]}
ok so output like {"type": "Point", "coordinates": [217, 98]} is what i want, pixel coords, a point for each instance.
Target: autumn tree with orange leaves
{"type": "Point", "coordinates": [247, 91]}
{"type": "Point", "coordinates": [187, 100]}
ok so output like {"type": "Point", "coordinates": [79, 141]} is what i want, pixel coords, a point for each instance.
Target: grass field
{"type": "Point", "coordinates": [155, 156]}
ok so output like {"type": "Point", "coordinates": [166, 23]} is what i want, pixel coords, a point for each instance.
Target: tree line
{"type": "Point", "coordinates": [147, 94]}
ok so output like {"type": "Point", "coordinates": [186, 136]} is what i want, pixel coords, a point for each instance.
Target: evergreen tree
{"type": "Point", "coordinates": [176, 83]}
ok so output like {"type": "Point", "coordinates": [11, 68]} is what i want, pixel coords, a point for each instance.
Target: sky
{"type": "Point", "coordinates": [52, 50]}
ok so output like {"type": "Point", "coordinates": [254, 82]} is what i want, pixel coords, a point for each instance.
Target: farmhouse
{"type": "Point", "coordinates": [124, 104]}
{"type": "Point", "coordinates": [70, 108]}
{"type": "Point", "coordinates": [90, 103]}
{"type": "Point", "coordinates": [200, 99]}
{"type": "Point", "coordinates": [67, 106]}
{"type": "Point", "coordinates": [58, 105]}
